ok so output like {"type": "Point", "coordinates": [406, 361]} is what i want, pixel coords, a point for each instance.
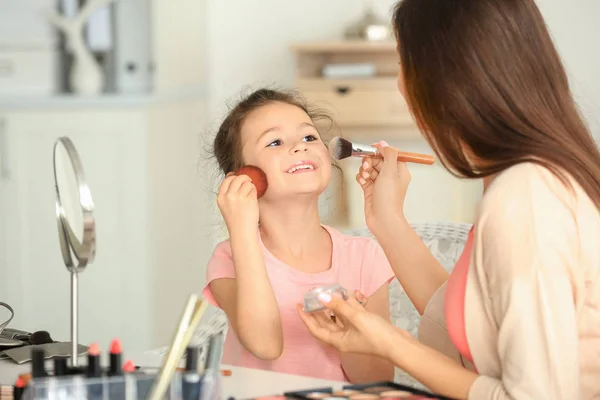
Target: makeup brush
{"type": "Point", "coordinates": [259, 179]}
{"type": "Point", "coordinates": [340, 148]}
{"type": "Point", "coordinates": [190, 319]}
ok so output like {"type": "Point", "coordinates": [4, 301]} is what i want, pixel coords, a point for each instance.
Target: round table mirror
{"type": "Point", "coordinates": [76, 224]}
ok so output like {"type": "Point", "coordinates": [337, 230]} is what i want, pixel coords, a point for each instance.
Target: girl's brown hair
{"type": "Point", "coordinates": [483, 76]}
{"type": "Point", "coordinates": [227, 146]}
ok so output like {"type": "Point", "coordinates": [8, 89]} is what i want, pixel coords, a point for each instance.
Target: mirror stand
{"type": "Point", "coordinates": [76, 224]}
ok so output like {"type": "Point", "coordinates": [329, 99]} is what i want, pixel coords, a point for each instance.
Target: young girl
{"type": "Point", "coordinates": [277, 248]}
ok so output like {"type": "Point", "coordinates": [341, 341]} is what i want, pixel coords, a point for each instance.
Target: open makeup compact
{"type": "Point", "coordinates": [370, 391]}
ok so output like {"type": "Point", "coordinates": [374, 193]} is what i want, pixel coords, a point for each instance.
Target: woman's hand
{"type": "Point", "coordinates": [384, 183]}
{"type": "Point", "coordinates": [353, 329]}
{"type": "Point", "coordinates": [238, 203]}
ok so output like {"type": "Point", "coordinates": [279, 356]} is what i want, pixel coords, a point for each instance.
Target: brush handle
{"type": "Point", "coordinates": [416, 158]}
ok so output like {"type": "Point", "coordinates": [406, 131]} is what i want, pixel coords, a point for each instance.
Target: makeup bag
{"type": "Point", "coordinates": [16, 344]}
{"type": "Point", "coordinates": [7, 336]}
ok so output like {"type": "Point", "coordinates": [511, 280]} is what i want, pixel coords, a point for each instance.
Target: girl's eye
{"type": "Point", "coordinates": [310, 138]}
{"type": "Point", "coordinates": [276, 142]}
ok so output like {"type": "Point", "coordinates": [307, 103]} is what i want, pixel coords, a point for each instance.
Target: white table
{"type": "Point", "coordinates": [246, 382]}
{"type": "Point", "coordinates": [243, 383]}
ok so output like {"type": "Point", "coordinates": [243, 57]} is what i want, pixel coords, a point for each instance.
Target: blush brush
{"type": "Point", "coordinates": [340, 148]}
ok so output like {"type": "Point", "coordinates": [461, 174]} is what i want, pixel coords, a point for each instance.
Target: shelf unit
{"type": "Point", "coordinates": [371, 102]}
{"type": "Point", "coordinates": [366, 110]}
{"type": "Point", "coordinates": [140, 153]}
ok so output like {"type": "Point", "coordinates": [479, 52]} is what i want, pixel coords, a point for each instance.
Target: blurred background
{"type": "Point", "coordinates": [141, 86]}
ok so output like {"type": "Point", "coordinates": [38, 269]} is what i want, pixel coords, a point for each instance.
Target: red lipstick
{"type": "Point", "coordinates": [129, 366]}
{"type": "Point", "coordinates": [94, 371]}
{"type": "Point", "coordinates": [18, 389]}
{"type": "Point", "coordinates": [116, 349]}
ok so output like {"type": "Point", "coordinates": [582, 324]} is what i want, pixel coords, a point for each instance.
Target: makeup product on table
{"type": "Point", "coordinates": [190, 319]}
{"type": "Point", "coordinates": [212, 364]}
{"type": "Point", "coordinates": [94, 371]}
{"type": "Point", "coordinates": [38, 369]}
{"type": "Point", "coordinates": [92, 382]}
{"type": "Point", "coordinates": [134, 388]}
{"type": "Point", "coordinates": [370, 391]}
{"type": "Point", "coordinates": [340, 148]}
{"type": "Point", "coordinates": [190, 378]}
{"type": "Point", "coordinates": [60, 366]}
{"type": "Point", "coordinates": [214, 351]}
{"type": "Point", "coordinates": [311, 299]}
{"type": "Point", "coordinates": [7, 392]}
{"type": "Point", "coordinates": [18, 389]}
{"type": "Point", "coordinates": [61, 369]}
{"type": "Point", "coordinates": [129, 366]}
{"type": "Point", "coordinates": [114, 366]}
{"type": "Point", "coordinates": [258, 177]}
{"type": "Point", "coordinates": [116, 390]}
{"type": "Point", "coordinates": [316, 393]}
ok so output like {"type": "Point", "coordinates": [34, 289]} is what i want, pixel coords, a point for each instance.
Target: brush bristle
{"type": "Point", "coordinates": [340, 148]}
{"type": "Point", "coordinates": [258, 176]}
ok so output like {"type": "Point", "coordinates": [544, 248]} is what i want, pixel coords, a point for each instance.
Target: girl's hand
{"type": "Point", "coordinates": [384, 183]}
{"type": "Point", "coordinates": [353, 330]}
{"type": "Point", "coordinates": [238, 203]}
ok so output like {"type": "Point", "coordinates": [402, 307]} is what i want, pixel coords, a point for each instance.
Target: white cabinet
{"type": "Point", "coordinates": [141, 166]}
{"type": "Point", "coordinates": [140, 155]}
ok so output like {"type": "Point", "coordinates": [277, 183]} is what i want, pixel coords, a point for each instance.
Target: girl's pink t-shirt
{"type": "Point", "coordinates": [357, 263]}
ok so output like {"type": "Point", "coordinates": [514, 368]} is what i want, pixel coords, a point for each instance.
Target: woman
{"type": "Point", "coordinates": [522, 306]}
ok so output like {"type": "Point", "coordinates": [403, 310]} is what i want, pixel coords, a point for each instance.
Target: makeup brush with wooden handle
{"type": "Point", "coordinates": [192, 314]}
{"type": "Point", "coordinates": [340, 148]}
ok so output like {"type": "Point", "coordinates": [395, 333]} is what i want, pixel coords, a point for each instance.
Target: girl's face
{"type": "Point", "coordinates": [282, 140]}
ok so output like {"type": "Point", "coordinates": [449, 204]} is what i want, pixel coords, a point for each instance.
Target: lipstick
{"type": "Point", "coordinates": [215, 349]}
{"type": "Point", "coordinates": [60, 366]}
{"type": "Point", "coordinates": [18, 389]}
{"type": "Point", "coordinates": [38, 367]}
{"type": "Point", "coordinates": [38, 371]}
{"type": "Point", "coordinates": [93, 367]}
{"type": "Point", "coordinates": [116, 389]}
{"type": "Point", "coordinates": [190, 385]}
{"type": "Point", "coordinates": [142, 382]}
{"type": "Point", "coordinates": [129, 366]}
{"type": "Point", "coordinates": [94, 371]}
{"type": "Point", "coordinates": [115, 358]}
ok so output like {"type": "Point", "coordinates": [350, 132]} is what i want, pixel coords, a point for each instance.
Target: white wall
{"type": "Point", "coordinates": [249, 42]}
{"type": "Point", "coordinates": [248, 46]}
{"type": "Point", "coordinates": [575, 29]}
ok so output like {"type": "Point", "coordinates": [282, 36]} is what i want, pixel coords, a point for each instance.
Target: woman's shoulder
{"type": "Point", "coordinates": [528, 198]}
{"type": "Point", "coordinates": [520, 187]}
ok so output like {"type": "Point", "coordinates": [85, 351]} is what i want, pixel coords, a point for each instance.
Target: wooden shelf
{"type": "Point", "coordinates": [376, 83]}
{"type": "Point", "coordinates": [109, 100]}
{"type": "Point", "coordinates": [368, 107]}
{"type": "Point", "coordinates": [345, 46]}
{"type": "Point", "coordinates": [357, 102]}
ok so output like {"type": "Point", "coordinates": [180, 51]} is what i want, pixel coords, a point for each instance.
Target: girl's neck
{"type": "Point", "coordinates": [292, 229]}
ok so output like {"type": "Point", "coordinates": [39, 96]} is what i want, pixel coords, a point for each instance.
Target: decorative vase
{"type": "Point", "coordinates": [370, 27]}
{"type": "Point", "coordinates": [85, 77]}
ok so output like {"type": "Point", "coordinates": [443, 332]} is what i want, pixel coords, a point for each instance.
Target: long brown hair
{"type": "Point", "coordinates": [485, 75]}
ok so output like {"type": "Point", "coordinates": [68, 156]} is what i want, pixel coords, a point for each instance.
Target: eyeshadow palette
{"type": "Point", "coordinates": [370, 391]}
